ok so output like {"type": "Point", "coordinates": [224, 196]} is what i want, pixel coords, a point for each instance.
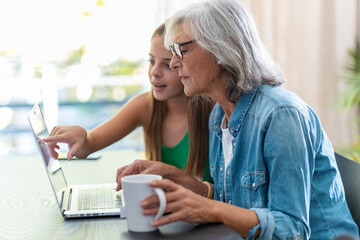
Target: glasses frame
{"type": "Point", "coordinates": [175, 48]}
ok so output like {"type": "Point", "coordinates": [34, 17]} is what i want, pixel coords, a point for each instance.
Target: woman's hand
{"type": "Point", "coordinates": [74, 136]}
{"type": "Point", "coordinates": [165, 170]}
{"type": "Point", "coordinates": [182, 204]}
{"type": "Point", "coordinates": [145, 167]}
{"type": "Point", "coordinates": [185, 205]}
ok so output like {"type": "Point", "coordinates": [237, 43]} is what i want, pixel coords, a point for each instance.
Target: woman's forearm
{"type": "Point", "coordinates": [241, 220]}
{"type": "Point", "coordinates": [180, 177]}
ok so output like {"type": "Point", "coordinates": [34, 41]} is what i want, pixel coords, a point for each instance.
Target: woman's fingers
{"type": "Point", "coordinates": [129, 170]}
{"type": "Point", "coordinates": [173, 217]}
{"type": "Point", "coordinates": [170, 218]}
{"type": "Point", "coordinates": [119, 171]}
{"type": "Point", "coordinates": [118, 178]}
{"type": "Point", "coordinates": [181, 203]}
{"type": "Point", "coordinates": [125, 171]}
{"type": "Point", "coordinates": [152, 206]}
{"type": "Point", "coordinates": [173, 193]}
{"type": "Point", "coordinates": [165, 184]}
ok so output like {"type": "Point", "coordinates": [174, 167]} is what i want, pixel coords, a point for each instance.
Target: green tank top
{"type": "Point", "coordinates": [177, 156]}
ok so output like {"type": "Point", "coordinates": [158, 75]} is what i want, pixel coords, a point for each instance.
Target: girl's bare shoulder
{"type": "Point", "coordinates": [140, 105]}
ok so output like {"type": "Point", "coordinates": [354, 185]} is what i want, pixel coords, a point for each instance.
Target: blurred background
{"type": "Point", "coordinates": [82, 60]}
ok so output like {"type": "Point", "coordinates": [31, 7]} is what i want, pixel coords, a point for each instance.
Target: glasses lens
{"type": "Point", "coordinates": [178, 51]}
{"type": "Point", "coordinates": [172, 50]}
{"type": "Point", "coordinates": [175, 49]}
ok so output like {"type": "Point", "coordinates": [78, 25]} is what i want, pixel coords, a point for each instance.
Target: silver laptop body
{"type": "Point", "coordinates": [78, 200]}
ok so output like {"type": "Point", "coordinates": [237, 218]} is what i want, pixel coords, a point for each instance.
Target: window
{"type": "Point", "coordinates": [82, 60]}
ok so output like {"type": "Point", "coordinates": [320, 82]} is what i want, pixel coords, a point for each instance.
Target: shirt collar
{"type": "Point", "coordinates": [241, 108]}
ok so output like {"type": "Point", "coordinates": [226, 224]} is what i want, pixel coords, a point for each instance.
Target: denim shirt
{"type": "Point", "coordinates": [283, 167]}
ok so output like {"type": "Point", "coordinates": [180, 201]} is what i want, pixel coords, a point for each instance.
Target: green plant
{"type": "Point", "coordinates": [120, 67]}
{"type": "Point", "coordinates": [352, 151]}
{"type": "Point", "coordinates": [351, 97]}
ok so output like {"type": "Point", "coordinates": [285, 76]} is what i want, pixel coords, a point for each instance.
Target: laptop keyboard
{"type": "Point", "coordinates": [98, 198]}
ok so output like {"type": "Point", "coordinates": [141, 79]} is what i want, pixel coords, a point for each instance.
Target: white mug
{"type": "Point", "coordinates": [135, 189]}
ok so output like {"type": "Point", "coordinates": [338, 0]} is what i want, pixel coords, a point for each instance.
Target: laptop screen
{"type": "Point", "coordinates": [52, 165]}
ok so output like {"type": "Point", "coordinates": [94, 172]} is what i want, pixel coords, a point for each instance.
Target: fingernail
{"type": "Point", "coordinates": [143, 203]}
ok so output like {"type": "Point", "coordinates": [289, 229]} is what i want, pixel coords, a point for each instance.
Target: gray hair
{"type": "Point", "coordinates": [226, 30]}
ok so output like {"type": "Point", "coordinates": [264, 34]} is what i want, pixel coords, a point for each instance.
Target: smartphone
{"type": "Point", "coordinates": [93, 156]}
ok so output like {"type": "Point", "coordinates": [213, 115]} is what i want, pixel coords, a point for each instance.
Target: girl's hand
{"type": "Point", "coordinates": [74, 136]}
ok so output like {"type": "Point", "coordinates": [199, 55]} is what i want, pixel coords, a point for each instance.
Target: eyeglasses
{"type": "Point", "coordinates": [175, 49]}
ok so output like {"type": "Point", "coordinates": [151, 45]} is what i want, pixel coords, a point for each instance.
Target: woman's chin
{"type": "Point", "coordinates": [188, 93]}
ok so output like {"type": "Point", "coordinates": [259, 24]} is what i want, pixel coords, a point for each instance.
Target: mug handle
{"type": "Point", "coordinates": [162, 199]}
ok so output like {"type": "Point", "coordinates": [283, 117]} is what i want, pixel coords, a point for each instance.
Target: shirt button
{"type": "Point", "coordinates": [234, 143]}
{"type": "Point", "coordinates": [228, 172]}
{"type": "Point", "coordinates": [215, 126]}
{"type": "Point", "coordinates": [231, 130]}
{"type": "Point", "coordinates": [297, 237]}
{"type": "Point", "coordinates": [221, 169]}
{"type": "Point", "coordinates": [253, 185]}
{"type": "Point", "coordinates": [229, 202]}
{"type": "Point", "coordinates": [220, 195]}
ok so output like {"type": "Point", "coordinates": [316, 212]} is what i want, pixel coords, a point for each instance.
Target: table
{"type": "Point", "coordinates": [28, 209]}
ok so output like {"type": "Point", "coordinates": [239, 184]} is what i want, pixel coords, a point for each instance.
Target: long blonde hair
{"type": "Point", "coordinates": [198, 111]}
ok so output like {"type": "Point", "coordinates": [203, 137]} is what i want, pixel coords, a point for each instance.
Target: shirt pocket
{"type": "Point", "coordinates": [254, 189]}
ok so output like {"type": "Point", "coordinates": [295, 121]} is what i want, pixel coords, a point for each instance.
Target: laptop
{"type": "Point", "coordinates": [76, 201]}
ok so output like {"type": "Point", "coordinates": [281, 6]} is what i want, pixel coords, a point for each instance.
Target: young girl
{"type": "Point", "coordinates": [175, 126]}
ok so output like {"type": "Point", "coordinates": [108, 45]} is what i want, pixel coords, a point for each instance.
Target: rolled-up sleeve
{"type": "Point", "coordinates": [266, 225]}
{"type": "Point", "coordinates": [288, 153]}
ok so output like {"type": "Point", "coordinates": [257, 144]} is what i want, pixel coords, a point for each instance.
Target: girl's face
{"type": "Point", "coordinates": [165, 81]}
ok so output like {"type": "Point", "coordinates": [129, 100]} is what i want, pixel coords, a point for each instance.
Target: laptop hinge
{"type": "Point", "coordinates": [61, 201]}
{"type": "Point", "coordinates": [66, 203]}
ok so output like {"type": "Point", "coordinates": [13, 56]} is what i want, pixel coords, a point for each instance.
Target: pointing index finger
{"type": "Point", "coordinates": [56, 138]}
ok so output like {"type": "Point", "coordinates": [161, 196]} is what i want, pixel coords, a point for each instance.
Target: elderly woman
{"type": "Point", "coordinates": [273, 166]}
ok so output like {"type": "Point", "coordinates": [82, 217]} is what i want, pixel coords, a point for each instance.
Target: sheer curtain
{"type": "Point", "coordinates": [310, 39]}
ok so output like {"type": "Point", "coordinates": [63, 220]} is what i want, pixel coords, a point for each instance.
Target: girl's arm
{"type": "Point", "coordinates": [134, 113]}
{"type": "Point", "coordinates": [82, 143]}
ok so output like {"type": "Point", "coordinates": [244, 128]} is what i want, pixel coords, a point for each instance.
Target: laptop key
{"type": "Point", "coordinates": [98, 198]}
{"type": "Point", "coordinates": [109, 204]}
{"type": "Point", "coordinates": [102, 205]}
{"type": "Point", "coordinates": [86, 207]}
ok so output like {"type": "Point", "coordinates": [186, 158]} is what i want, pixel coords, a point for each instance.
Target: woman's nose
{"type": "Point", "coordinates": [175, 63]}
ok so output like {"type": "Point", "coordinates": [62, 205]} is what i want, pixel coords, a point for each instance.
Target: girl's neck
{"type": "Point", "coordinates": [177, 105]}
{"type": "Point", "coordinates": [175, 124]}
